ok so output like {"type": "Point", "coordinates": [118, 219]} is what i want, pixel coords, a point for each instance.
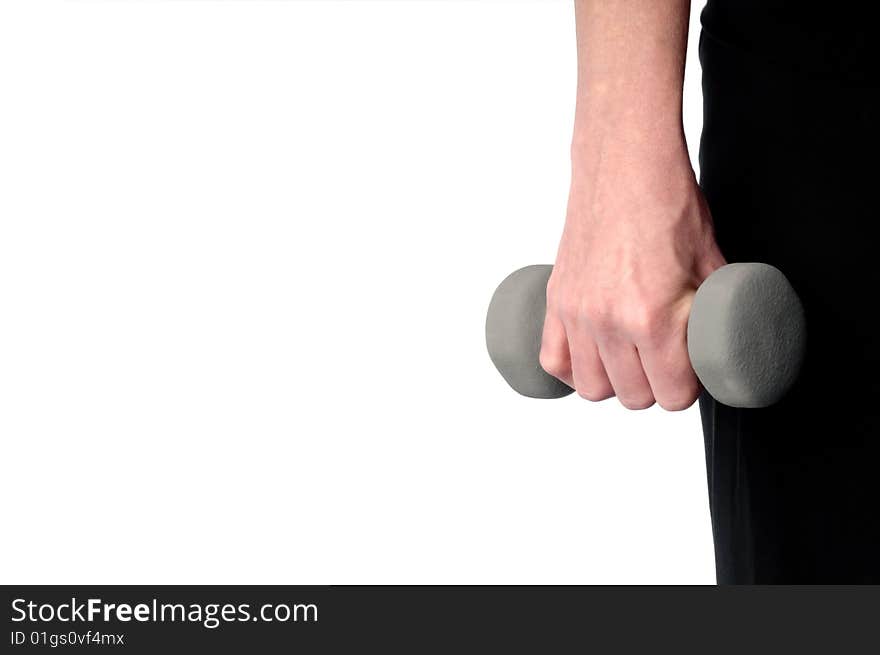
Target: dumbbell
{"type": "Point", "coordinates": [746, 334]}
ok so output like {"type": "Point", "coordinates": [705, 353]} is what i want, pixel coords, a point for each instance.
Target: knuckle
{"type": "Point", "coordinates": [642, 320]}
{"type": "Point", "coordinates": [600, 316]}
{"type": "Point", "coordinates": [594, 390]}
{"type": "Point", "coordinates": [676, 404]}
{"type": "Point", "coordinates": [636, 401]}
{"type": "Point", "coordinates": [634, 320]}
{"type": "Point", "coordinates": [679, 400]}
{"type": "Point", "coordinates": [569, 311]}
{"type": "Point", "coordinates": [594, 394]}
{"type": "Point", "coordinates": [553, 364]}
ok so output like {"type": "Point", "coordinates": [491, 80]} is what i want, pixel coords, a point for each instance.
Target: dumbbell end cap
{"type": "Point", "coordinates": [514, 325]}
{"type": "Point", "coordinates": [747, 335]}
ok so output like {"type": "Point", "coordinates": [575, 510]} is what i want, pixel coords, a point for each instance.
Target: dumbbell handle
{"type": "Point", "coordinates": [746, 334]}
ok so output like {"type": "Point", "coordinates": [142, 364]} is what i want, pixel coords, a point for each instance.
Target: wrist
{"type": "Point", "coordinates": [629, 126]}
{"type": "Point", "coordinates": [625, 148]}
{"type": "Point", "coordinates": [643, 115]}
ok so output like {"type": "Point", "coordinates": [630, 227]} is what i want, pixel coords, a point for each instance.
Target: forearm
{"type": "Point", "coordinates": [638, 236]}
{"type": "Point", "coordinates": [631, 56]}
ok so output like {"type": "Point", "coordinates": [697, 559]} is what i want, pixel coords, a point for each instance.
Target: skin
{"type": "Point", "coordinates": [638, 237]}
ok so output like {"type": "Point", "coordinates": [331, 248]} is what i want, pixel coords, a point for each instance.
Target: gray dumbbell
{"type": "Point", "coordinates": [746, 334]}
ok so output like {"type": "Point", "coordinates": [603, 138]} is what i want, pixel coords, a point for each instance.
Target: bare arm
{"type": "Point", "coordinates": [638, 236]}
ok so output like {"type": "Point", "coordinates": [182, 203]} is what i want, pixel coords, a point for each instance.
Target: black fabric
{"type": "Point", "coordinates": [836, 39]}
{"type": "Point", "coordinates": [788, 164]}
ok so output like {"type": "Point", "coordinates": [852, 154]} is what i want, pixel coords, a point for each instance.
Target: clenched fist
{"type": "Point", "coordinates": [637, 242]}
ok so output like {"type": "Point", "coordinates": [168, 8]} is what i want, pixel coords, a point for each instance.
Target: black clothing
{"type": "Point", "coordinates": [788, 154]}
{"type": "Point", "coordinates": [836, 42]}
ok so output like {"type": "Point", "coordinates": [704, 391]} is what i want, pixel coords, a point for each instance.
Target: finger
{"type": "Point", "coordinates": [554, 357]}
{"type": "Point", "coordinates": [624, 368]}
{"type": "Point", "coordinates": [673, 382]}
{"type": "Point", "coordinates": [590, 379]}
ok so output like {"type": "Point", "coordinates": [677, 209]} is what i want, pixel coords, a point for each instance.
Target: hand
{"type": "Point", "coordinates": [638, 241]}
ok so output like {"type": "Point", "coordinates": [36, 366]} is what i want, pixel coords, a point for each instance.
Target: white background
{"type": "Point", "coordinates": [246, 250]}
